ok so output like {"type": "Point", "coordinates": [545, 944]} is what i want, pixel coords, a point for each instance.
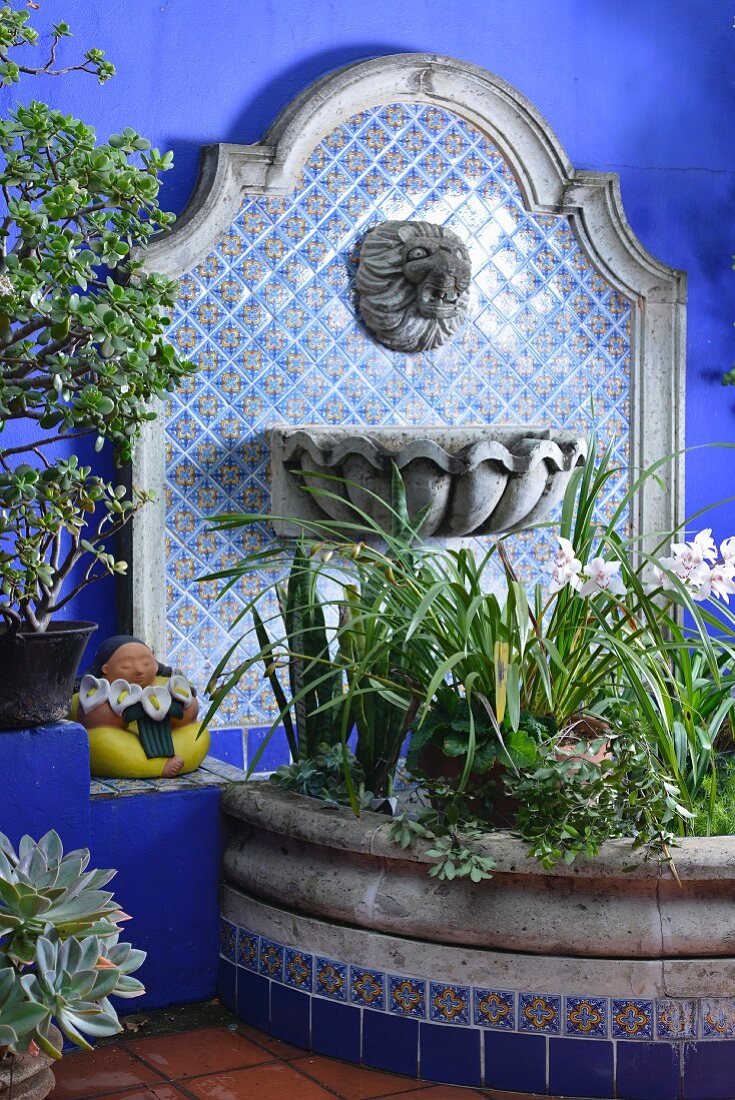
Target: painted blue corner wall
{"type": "Point", "coordinates": [645, 90]}
{"type": "Point", "coordinates": [45, 783]}
{"type": "Point", "coordinates": [167, 848]}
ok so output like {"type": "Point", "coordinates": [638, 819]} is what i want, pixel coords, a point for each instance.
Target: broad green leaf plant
{"type": "Point", "coordinates": [60, 955]}
{"type": "Point", "coordinates": [82, 330]}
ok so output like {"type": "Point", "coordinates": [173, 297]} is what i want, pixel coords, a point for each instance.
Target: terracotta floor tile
{"type": "Point", "coordinates": [278, 1048]}
{"type": "Point", "coordinates": [194, 1053]}
{"type": "Point", "coordinates": [272, 1081]}
{"type": "Point", "coordinates": [353, 1082]}
{"type": "Point", "coordinates": [155, 1092]}
{"type": "Point", "coordinates": [85, 1074]}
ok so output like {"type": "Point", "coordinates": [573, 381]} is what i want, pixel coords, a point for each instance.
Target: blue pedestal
{"type": "Point", "coordinates": [167, 849]}
{"type": "Point", "coordinates": [46, 783]}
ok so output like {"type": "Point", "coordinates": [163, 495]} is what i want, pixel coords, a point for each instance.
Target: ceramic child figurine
{"type": "Point", "coordinates": [140, 716]}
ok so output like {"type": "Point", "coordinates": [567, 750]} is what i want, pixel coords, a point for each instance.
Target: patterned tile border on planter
{"type": "Point", "coordinates": [523, 1040]}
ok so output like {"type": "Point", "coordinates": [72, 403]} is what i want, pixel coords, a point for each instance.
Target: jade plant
{"type": "Point", "coordinates": [60, 959]}
{"type": "Point", "coordinates": [82, 331]}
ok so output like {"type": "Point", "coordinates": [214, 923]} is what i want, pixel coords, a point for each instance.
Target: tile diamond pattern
{"type": "Point", "coordinates": [269, 317]}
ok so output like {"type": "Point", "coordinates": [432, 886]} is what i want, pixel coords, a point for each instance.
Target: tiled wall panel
{"type": "Point", "coordinates": [269, 317]}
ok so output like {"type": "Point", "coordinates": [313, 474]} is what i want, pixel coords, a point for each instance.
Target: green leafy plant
{"type": "Point", "coordinates": [310, 718]}
{"type": "Point", "coordinates": [322, 776]}
{"type": "Point", "coordinates": [339, 678]}
{"type": "Point", "coordinates": [516, 689]}
{"type": "Point", "coordinates": [82, 331]}
{"type": "Point", "coordinates": [60, 957]}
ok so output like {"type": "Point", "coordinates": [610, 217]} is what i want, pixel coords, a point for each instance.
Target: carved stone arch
{"type": "Point", "coordinates": [548, 183]}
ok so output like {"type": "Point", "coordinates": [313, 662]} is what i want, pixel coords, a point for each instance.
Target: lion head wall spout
{"type": "Point", "coordinates": [413, 284]}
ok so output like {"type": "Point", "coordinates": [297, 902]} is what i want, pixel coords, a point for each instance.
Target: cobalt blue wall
{"type": "Point", "coordinates": [46, 772]}
{"type": "Point", "coordinates": [166, 847]}
{"type": "Point", "coordinates": [642, 89]}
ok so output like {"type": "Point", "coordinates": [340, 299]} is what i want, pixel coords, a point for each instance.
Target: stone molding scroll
{"type": "Point", "coordinates": [548, 183]}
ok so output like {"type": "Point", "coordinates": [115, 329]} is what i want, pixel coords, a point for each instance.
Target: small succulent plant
{"type": "Point", "coordinates": [60, 958]}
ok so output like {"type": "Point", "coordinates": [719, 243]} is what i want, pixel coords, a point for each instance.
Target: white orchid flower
{"type": "Point", "coordinates": [180, 688]}
{"type": "Point", "coordinates": [691, 554]}
{"type": "Point", "coordinates": [122, 695]}
{"type": "Point", "coordinates": [92, 692]}
{"type": "Point", "coordinates": [566, 567]}
{"type": "Point", "coordinates": [566, 554]}
{"type": "Point", "coordinates": [727, 549]}
{"type": "Point", "coordinates": [693, 574]}
{"type": "Point", "coordinates": [719, 583]}
{"type": "Point", "coordinates": [156, 701]}
{"type": "Point", "coordinates": [602, 576]}
{"type": "Point", "coordinates": [563, 576]}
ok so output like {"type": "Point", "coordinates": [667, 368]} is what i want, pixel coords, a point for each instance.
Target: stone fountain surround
{"type": "Point", "coordinates": [513, 970]}
{"type": "Point", "coordinates": [548, 182]}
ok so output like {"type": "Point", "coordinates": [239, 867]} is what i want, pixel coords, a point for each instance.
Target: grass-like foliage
{"type": "Point", "coordinates": [507, 680]}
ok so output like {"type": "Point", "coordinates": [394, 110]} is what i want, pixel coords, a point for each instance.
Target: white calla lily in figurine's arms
{"type": "Point", "coordinates": [93, 692]}
{"type": "Point", "coordinates": [122, 695]}
{"type": "Point", "coordinates": [156, 701]}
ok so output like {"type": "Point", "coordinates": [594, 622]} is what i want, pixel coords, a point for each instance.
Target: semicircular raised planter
{"type": "Point", "coordinates": [577, 981]}
{"type": "Point", "coordinates": [469, 480]}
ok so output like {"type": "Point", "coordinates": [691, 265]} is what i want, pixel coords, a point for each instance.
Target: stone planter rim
{"type": "Point", "coordinates": [260, 803]}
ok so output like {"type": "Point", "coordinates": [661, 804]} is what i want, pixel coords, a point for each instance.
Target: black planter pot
{"type": "Point", "coordinates": [38, 673]}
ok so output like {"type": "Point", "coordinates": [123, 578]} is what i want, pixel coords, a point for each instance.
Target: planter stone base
{"type": "Point", "coordinates": [37, 1087]}
{"type": "Point", "coordinates": [467, 1016]}
{"type": "Point", "coordinates": [603, 979]}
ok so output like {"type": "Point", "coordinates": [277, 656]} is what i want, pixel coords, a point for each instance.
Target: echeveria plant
{"type": "Point", "coordinates": [60, 957]}
{"type": "Point", "coordinates": [82, 347]}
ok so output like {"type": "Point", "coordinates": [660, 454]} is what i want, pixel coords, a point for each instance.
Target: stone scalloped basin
{"type": "Point", "coordinates": [322, 860]}
{"type": "Point", "coordinates": [474, 479]}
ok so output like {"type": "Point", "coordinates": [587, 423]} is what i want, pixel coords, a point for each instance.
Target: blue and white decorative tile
{"type": "Point", "coordinates": [676, 1019]}
{"type": "Point", "coordinates": [227, 939]}
{"type": "Point", "coordinates": [269, 317]}
{"type": "Point", "coordinates": [631, 1019]}
{"type": "Point", "coordinates": [270, 961]}
{"type": "Point", "coordinates": [494, 1008]}
{"type": "Point", "coordinates": [586, 1016]}
{"type": "Point", "coordinates": [367, 987]}
{"type": "Point", "coordinates": [449, 1004]}
{"type": "Point", "coordinates": [718, 1017]}
{"type": "Point", "coordinates": [539, 1012]}
{"type": "Point", "coordinates": [247, 949]}
{"type": "Point", "coordinates": [98, 789]}
{"type": "Point", "coordinates": [407, 996]}
{"type": "Point", "coordinates": [297, 969]}
{"type": "Point", "coordinates": [330, 979]}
